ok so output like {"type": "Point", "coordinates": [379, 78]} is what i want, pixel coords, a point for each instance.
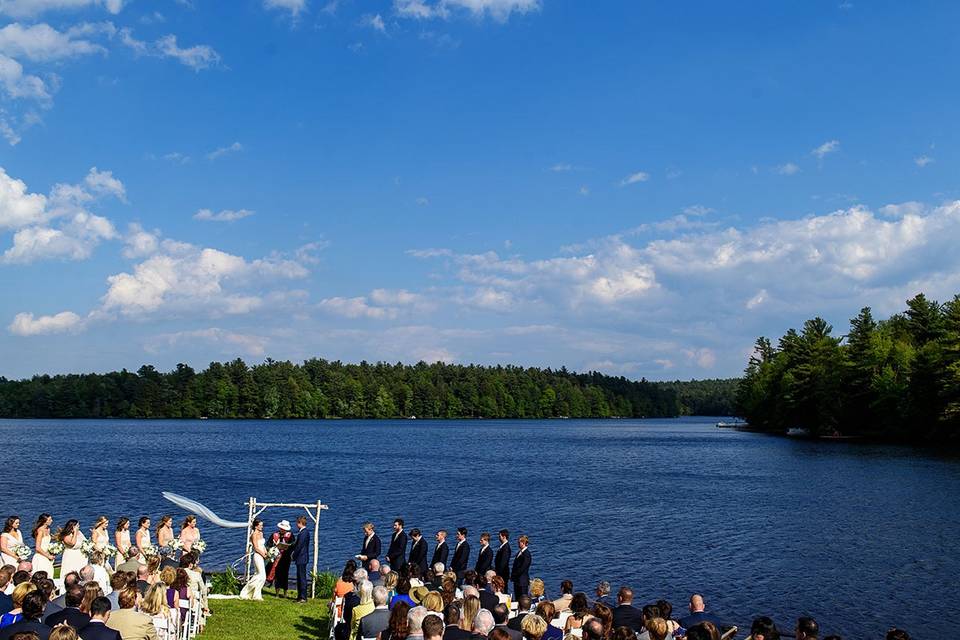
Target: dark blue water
{"type": "Point", "coordinates": [860, 537]}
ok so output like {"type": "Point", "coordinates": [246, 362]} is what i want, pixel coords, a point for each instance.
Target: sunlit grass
{"type": "Point", "coordinates": [273, 619]}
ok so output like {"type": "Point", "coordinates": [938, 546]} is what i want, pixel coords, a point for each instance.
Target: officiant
{"type": "Point", "coordinates": [279, 573]}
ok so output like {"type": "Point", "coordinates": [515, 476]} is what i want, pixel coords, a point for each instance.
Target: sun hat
{"type": "Point", "coordinates": [283, 525]}
{"type": "Point", "coordinates": [417, 594]}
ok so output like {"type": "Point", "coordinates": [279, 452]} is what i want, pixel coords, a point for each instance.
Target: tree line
{"type": "Point", "coordinates": [895, 379]}
{"type": "Point", "coordinates": [323, 389]}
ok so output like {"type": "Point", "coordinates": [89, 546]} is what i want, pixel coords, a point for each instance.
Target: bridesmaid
{"type": "Point", "coordinates": [10, 538]}
{"type": "Point", "coordinates": [189, 533]}
{"type": "Point", "coordinates": [43, 559]}
{"type": "Point", "coordinates": [142, 537]}
{"type": "Point", "coordinates": [121, 538]}
{"type": "Point", "coordinates": [98, 534]}
{"type": "Point", "coordinates": [164, 531]}
{"type": "Point", "coordinates": [71, 537]}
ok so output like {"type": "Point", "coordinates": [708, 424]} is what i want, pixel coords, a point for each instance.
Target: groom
{"type": "Point", "coordinates": [300, 555]}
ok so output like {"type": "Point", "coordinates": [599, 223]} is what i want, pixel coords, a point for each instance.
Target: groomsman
{"type": "Point", "coordinates": [502, 563]}
{"type": "Point", "coordinates": [521, 568]}
{"type": "Point", "coordinates": [397, 553]}
{"type": "Point", "coordinates": [300, 555]}
{"type": "Point", "coordinates": [440, 552]}
{"type": "Point", "coordinates": [461, 555]}
{"type": "Point", "coordinates": [371, 546]}
{"type": "Point", "coordinates": [418, 551]}
{"type": "Point", "coordinates": [485, 557]}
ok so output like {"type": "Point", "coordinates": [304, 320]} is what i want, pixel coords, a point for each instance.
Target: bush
{"type": "Point", "coordinates": [226, 583]}
{"type": "Point", "coordinates": [325, 582]}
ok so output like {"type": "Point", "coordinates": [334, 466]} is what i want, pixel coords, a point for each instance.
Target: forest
{"type": "Point", "coordinates": [323, 389]}
{"type": "Point", "coordinates": [894, 379]}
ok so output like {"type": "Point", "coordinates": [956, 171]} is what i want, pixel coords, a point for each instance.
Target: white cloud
{"type": "Point", "coordinates": [197, 57]}
{"type": "Point", "coordinates": [139, 243]}
{"type": "Point", "coordinates": [788, 169]}
{"type": "Point", "coordinates": [922, 161]}
{"type": "Point", "coordinates": [103, 183]}
{"type": "Point", "coordinates": [177, 158]}
{"type": "Point", "coordinates": [19, 85]}
{"type": "Point", "coordinates": [24, 324]}
{"type": "Point", "coordinates": [355, 308]}
{"type": "Point", "coordinates": [757, 300]}
{"type": "Point", "coordinates": [375, 22]}
{"type": "Point", "coordinates": [18, 208]}
{"type": "Point", "coordinates": [226, 215]}
{"type": "Point", "coordinates": [32, 8]}
{"type": "Point", "coordinates": [634, 178]}
{"type": "Point", "coordinates": [229, 342]}
{"type": "Point", "coordinates": [703, 357]}
{"type": "Point", "coordinates": [499, 10]}
{"type": "Point", "coordinates": [584, 191]}
{"type": "Point", "coordinates": [293, 6]}
{"type": "Point", "coordinates": [74, 240]}
{"type": "Point", "coordinates": [826, 148]}
{"type": "Point", "coordinates": [219, 152]}
{"type": "Point", "coordinates": [43, 43]}
{"type": "Point", "coordinates": [561, 167]}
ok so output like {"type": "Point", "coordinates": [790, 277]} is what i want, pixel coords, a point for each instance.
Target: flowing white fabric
{"type": "Point", "coordinates": [40, 562]}
{"type": "Point", "coordinates": [195, 507]}
{"type": "Point", "coordinates": [253, 590]}
{"type": "Point", "coordinates": [12, 541]}
{"type": "Point", "coordinates": [73, 558]}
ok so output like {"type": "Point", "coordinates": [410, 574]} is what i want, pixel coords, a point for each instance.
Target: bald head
{"type": "Point", "coordinates": [696, 603]}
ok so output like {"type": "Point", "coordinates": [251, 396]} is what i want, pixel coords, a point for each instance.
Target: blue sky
{"type": "Point", "coordinates": [641, 188]}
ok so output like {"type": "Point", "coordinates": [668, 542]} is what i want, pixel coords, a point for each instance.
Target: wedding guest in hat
{"type": "Point", "coordinates": [279, 573]}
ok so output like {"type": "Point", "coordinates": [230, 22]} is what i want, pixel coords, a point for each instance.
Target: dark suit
{"type": "Point", "coordinates": [502, 563]}
{"type": "Point", "coordinates": [418, 554]}
{"type": "Point", "coordinates": [513, 633]}
{"type": "Point", "coordinates": [513, 624]}
{"type": "Point", "coordinates": [374, 622]}
{"type": "Point", "coordinates": [454, 632]}
{"type": "Point", "coordinates": [440, 554]}
{"type": "Point", "coordinates": [72, 616]}
{"type": "Point", "coordinates": [397, 553]}
{"type": "Point", "coordinates": [25, 626]}
{"type": "Point", "coordinates": [342, 630]}
{"type": "Point", "coordinates": [371, 549]}
{"type": "Point", "coordinates": [520, 574]}
{"type": "Point", "coordinates": [6, 603]}
{"type": "Point", "coordinates": [461, 557]}
{"type": "Point", "coordinates": [484, 560]}
{"type": "Point", "coordinates": [488, 600]}
{"type": "Point", "coordinates": [702, 616]}
{"type": "Point", "coordinates": [300, 555]}
{"type": "Point", "coordinates": [99, 631]}
{"type": "Point", "coordinates": [627, 615]}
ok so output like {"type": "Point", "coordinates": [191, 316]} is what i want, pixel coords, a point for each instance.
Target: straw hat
{"type": "Point", "coordinates": [283, 525]}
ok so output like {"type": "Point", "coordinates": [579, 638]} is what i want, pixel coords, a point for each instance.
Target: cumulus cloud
{"type": "Point", "coordinates": [25, 324]}
{"type": "Point", "coordinates": [18, 208]}
{"type": "Point", "coordinates": [499, 10]}
{"type": "Point", "coordinates": [197, 57]}
{"type": "Point", "coordinates": [74, 240]}
{"type": "Point", "coordinates": [634, 178]}
{"type": "Point", "coordinates": [33, 8]}
{"type": "Point", "coordinates": [357, 307]}
{"type": "Point", "coordinates": [295, 7]}
{"type": "Point", "coordinates": [103, 183]}
{"type": "Point", "coordinates": [219, 152]}
{"type": "Point", "coordinates": [139, 243]}
{"type": "Point", "coordinates": [226, 215]}
{"type": "Point", "coordinates": [43, 43]}
{"type": "Point", "coordinates": [375, 22]}
{"type": "Point", "coordinates": [826, 149]}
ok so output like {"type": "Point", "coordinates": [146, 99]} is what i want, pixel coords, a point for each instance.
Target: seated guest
{"type": "Point", "coordinates": [566, 595]}
{"type": "Point", "coordinates": [373, 571]}
{"type": "Point", "coordinates": [6, 575]}
{"type": "Point", "coordinates": [63, 632]}
{"type": "Point", "coordinates": [100, 575]}
{"type": "Point", "coordinates": [763, 628]}
{"type": "Point", "coordinates": [623, 633]}
{"type": "Point", "coordinates": [350, 601]}
{"type": "Point", "coordinates": [533, 627]}
{"type": "Point", "coordinates": [365, 606]}
{"type": "Point", "coordinates": [154, 604]}
{"type": "Point", "coordinates": [403, 594]}
{"type": "Point", "coordinates": [143, 578]}
{"type": "Point", "coordinates": [131, 624]}
{"type": "Point", "coordinates": [452, 629]}
{"type": "Point", "coordinates": [807, 629]}
{"type": "Point", "coordinates": [69, 580]}
{"type": "Point", "coordinates": [499, 587]}
{"type": "Point", "coordinates": [91, 592]}
{"type": "Point", "coordinates": [500, 615]}
{"type": "Point", "coordinates": [390, 582]}
{"type": "Point", "coordinates": [603, 593]}
{"type": "Point", "coordinates": [469, 610]}
{"type": "Point", "coordinates": [15, 614]}
{"type": "Point", "coordinates": [648, 613]}
{"type": "Point", "coordinates": [488, 599]}
{"type": "Point", "coordinates": [523, 609]}
{"type": "Point", "coordinates": [579, 610]}
{"type": "Point", "coordinates": [537, 591]}
{"type": "Point", "coordinates": [499, 633]}
{"type": "Point", "coordinates": [605, 615]}
{"type": "Point", "coordinates": [47, 588]}
{"type": "Point", "coordinates": [118, 581]}
{"type": "Point", "coordinates": [97, 628]}
{"type": "Point", "coordinates": [448, 591]}
{"type": "Point", "coordinates": [415, 622]}
{"type": "Point", "coordinates": [433, 601]}
{"type": "Point", "coordinates": [548, 612]}
{"type": "Point", "coordinates": [656, 629]}
{"type": "Point", "coordinates": [482, 625]}
{"type": "Point", "coordinates": [666, 612]}
{"type": "Point", "coordinates": [345, 584]}
{"type": "Point", "coordinates": [593, 630]}
{"type": "Point", "coordinates": [625, 614]}
{"type": "Point", "coordinates": [432, 628]}
{"type": "Point", "coordinates": [70, 614]}
{"type": "Point", "coordinates": [20, 576]}
{"type": "Point", "coordinates": [698, 613]}
{"type": "Point", "coordinates": [33, 604]}
{"type": "Point", "coordinates": [378, 619]}
{"type": "Point", "coordinates": [397, 628]}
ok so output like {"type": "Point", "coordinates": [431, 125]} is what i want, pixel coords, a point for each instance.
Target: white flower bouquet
{"type": "Point", "coordinates": [199, 546]}
{"type": "Point", "coordinates": [22, 551]}
{"type": "Point", "coordinates": [108, 550]}
{"type": "Point", "coordinates": [149, 551]}
{"type": "Point", "coordinates": [173, 546]}
{"type": "Point", "coordinates": [273, 553]}
{"type": "Point", "coordinates": [88, 547]}
{"type": "Point", "coordinates": [55, 547]}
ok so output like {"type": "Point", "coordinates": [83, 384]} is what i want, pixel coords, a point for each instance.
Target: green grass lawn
{"type": "Point", "coordinates": [272, 619]}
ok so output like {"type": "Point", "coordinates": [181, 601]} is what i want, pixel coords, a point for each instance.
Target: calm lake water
{"type": "Point", "coordinates": [860, 537]}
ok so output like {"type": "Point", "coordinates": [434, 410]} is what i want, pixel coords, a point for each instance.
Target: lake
{"type": "Point", "coordinates": [862, 537]}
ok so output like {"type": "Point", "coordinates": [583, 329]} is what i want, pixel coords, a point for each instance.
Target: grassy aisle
{"type": "Point", "coordinates": [272, 619]}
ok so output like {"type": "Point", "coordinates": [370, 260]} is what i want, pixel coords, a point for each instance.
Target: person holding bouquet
{"type": "Point", "coordinates": [279, 573]}
{"type": "Point", "coordinates": [72, 538]}
{"type": "Point", "coordinates": [43, 558]}
{"type": "Point", "coordinates": [10, 539]}
{"type": "Point", "coordinates": [189, 533]}
{"type": "Point", "coordinates": [121, 538]}
{"type": "Point", "coordinates": [142, 538]}
{"type": "Point", "coordinates": [253, 590]}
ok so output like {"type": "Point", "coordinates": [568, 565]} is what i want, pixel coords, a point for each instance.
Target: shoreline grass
{"type": "Point", "coordinates": [273, 619]}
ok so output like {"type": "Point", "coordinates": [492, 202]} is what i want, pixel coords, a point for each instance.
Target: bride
{"type": "Point", "coordinates": [43, 559]}
{"type": "Point", "coordinates": [254, 587]}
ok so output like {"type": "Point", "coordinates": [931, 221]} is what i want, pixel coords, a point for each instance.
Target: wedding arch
{"type": "Point", "coordinates": [255, 508]}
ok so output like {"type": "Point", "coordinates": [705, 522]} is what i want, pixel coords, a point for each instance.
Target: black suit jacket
{"type": "Point", "coordinates": [461, 557]}
{"type": "Point", "coordinates": [488, 600]}
{"type": "Point", "coordinates": [440, 554]}
{"type": "Point", "coordinates": [397, 553]}
{"type": "Point", "coordinates": [454, 632]}
{"type": "Point", "coordinates": [513, 633]}
{"type": "Point", "coordinates": [514, 623]}
{"type": "Point", "coordinates": [626, 615]}
{"type": "Point", "coordinates": [300, 551]}
{"type": "Point", "coordinates": [484, 560]}
{"type": "Point", "coordinates": [370, 549]}
{"type": "Point", "coordinates": [99, 631]}
{"type": "Point", "coordinates": [502, 563]}
{"type": "Point", "coordinates": [6, 603]}
{"type": "Point", "coordinates": [23, 626]}
{"type": "Point", "coordinates": [73, 617]}
{"type": "Point", "coordinates": [418, 554]}
{"type": "Point", "coordinates": [521, 567]}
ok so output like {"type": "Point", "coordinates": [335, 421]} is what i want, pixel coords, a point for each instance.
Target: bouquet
{"type": "Point", "coordinates": [173, 546]}
{"type": "Point", "coordinates": [88, 547]}
{"type": "Point", "coordinates": [22, 551]}
{"type": "Point", "coordinates": [273, 553]}
{"type": "Point", "coordinates": [149, 551]}
{"type": "Point", "coordinates": [199, 546]}
{"type": "Point", "coordinates": [55, 547]}
{"type": "Point", "coordinates": [108, 550]}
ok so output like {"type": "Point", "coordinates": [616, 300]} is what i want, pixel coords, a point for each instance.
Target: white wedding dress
{"type": "Point", "coordinates": [253, 590]}
{"type": "Point", "coordinates": [73, 558]}
{"type": "Point", "coordinates": [12, 541]}
{"type": "Point", "coordinates": [41, 562]}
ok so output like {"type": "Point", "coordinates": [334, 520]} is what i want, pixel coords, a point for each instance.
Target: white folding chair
{"type": "Point", "coordinates": [336, 612]}
{"type": "Point", "coordinates": [729, 633]}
